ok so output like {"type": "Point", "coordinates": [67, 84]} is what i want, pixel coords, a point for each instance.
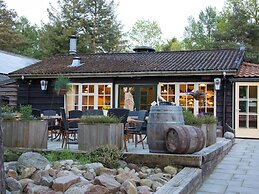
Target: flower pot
{"type": "Point", "coordinates": [62, 92]}
{"type": "Point", "coordinates": [200, 97]}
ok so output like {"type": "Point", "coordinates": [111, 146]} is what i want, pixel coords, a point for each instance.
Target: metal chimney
{"type": "Point", "coordinates": [72, 50]}
{"type": "Point", "coordinates": [144, 49]}
{"type": "Point", "coordinates": [76, 62]}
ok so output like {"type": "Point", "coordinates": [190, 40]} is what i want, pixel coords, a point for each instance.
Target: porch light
{"type": "Point", "coordinates": [43, 84]}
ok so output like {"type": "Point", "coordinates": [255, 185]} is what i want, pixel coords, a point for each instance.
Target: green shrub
{"type": "Point", "coordinates": [209, 119]}
{"type": "Point", "coordinates": [8, 116]}
{"type": "Point", "coordinates": [99, 119]}
{"type": "Point", "coordinates": [108, 155]}
{"type": "Point", "coordinates": [7, 109]}
{"type": "Point", "coordinates": [26, 112]}
{"type": "Point", "coordinates": [191, 119]}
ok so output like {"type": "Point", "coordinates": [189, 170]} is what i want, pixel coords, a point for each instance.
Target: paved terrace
{"type": "Point", "coordinates": [238, 172]}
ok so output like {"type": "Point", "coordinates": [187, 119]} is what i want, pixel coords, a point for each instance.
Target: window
{"type": "Point", "coordinates": [89, 96]}
{"type": "Point", "coordinates": [179, 94]}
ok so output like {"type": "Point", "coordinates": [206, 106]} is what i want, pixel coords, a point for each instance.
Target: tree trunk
{"type": "Point", "coordinates": [2, 173]}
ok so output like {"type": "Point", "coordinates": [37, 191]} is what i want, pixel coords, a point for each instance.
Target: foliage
{"type": "Point", "coordinates": [10, 39]}
{"type": "Point", "coordinates": [108, 155]}
{"type": "Point", "coordinates": [30, 34]}
{"type": "Point", "coordinates": [196, 94]}
{"type": "Point", "coordinates": [26, 112]}
{"type": "Point", "coordinates": [66, 155]}
{"type": "Point", "coordinates": [209, 119]}
{"type": "Point", "coordinates": [12, 154]}
{"type": "Point", "coordinates": [191, 119]}
{"type": "Point", "coordinates": [93, 22]}
{"type": "Point", "coordinates": [146, 33]}
{"type": "Point", "coordinates": [62, 82]}
{"type": "Point", "coordinates": [199, 34]}
{"type": "Point", "coordinates": [8, 116]}
{"type": "Point", "coordinates": [7, 109]}
{"type": "Point", "coordinates": [172, 45]}
{"type": "Point", "coordinates": [99, 119]}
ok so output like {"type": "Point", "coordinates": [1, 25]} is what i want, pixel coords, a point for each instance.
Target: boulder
{"type": "Point", "coordinates": [229, 135]}
{"type": "Point", "coordinates": [32, 159]}
{"type": "Point", "coordinates": [64, 182]}
{"type": "Point", "coordinates": [13, 185]}
{"type": "Point", "coordinates": [108, 181]}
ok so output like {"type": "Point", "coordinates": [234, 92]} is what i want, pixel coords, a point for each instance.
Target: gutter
{"type": "Point", "coordinates": [245, 79]}
{"type": "Point", "coordinates": [128, 74]}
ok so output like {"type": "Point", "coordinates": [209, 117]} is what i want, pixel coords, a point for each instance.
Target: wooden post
{"type": "Point", "coordinates": [2, 173]}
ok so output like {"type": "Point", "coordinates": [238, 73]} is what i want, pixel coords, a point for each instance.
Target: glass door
{"type": "Point", "coordinates": [142, 95]}
{"type": "Point", "coordinates": [247, 111]}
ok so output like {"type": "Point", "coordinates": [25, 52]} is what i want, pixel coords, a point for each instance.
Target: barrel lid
{"type": "Point", "coordinates": [166, 108]}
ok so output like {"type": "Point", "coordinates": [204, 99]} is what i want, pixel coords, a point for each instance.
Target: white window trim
{"type": "Point", "coordinates": [80, 94]}
{"type": "Point", "coordinates": [196, 86]}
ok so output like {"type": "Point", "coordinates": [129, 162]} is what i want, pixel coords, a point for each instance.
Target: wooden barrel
{"type": "Point", "coordinates": [184, 139]}
{"type": "Point", "coordinates": [159, 120]}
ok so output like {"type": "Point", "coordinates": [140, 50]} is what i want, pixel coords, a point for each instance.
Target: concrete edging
{"type": "Point", "coordinates": [186, 181]}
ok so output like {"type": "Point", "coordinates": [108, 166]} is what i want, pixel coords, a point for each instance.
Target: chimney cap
{"type": "Point", "coordinates": [76, 62]}
{"type": "Point", "coordinates": [143, 49]}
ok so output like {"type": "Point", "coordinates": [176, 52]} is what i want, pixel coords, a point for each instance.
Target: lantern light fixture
{"type": "Point", "coordinates": [44, 85]}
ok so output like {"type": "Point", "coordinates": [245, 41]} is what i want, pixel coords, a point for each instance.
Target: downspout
{"type": "Point", "coordinates": [224, 102]}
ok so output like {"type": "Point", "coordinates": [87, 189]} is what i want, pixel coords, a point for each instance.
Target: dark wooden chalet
{"type": "Point", "coordinates": [100, 80]}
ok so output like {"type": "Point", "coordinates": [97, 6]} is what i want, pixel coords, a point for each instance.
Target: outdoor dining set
{"type": "Point", "coordinates": [64, 127]}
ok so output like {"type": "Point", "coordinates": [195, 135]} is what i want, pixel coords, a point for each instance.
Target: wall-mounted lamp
{"type": "Point", "coordinates": [217, 83]}
{"type": "Point", "coordinates": [43, 84]}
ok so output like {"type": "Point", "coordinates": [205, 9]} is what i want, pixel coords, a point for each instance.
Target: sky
{"type": "Point", "coordinates": [171, 15]}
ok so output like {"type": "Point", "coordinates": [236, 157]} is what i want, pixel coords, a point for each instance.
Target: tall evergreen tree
{"type": "Point", "coordinates": [30, 34]}
{"type": "Point", "coordinates": [9, 38]}
{"type": "Point", "coordinates": [93, 21]}
{"type": "Point", "coordinates": [199, 34]}
{"type": "Point", "coordinates": [238, 26]}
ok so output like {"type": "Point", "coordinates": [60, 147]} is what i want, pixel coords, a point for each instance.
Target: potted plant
{"type": "Point", "coordinates": [24, 131]}
{"type": "Point", "coordinates": [198, 95]}
{"type": "Point", "coordinates": [207, 123]}
{"type": "Point", "coordinates": [62, 85]}
{"type": "Point", "coordinates": [95, 131]}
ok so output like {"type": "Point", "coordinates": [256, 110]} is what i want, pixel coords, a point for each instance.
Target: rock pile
{"type": "Point", "coordinates": [34, 174]}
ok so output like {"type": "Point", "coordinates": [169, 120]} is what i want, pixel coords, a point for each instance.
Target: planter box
{"type": "Point", "coordinates": [210, 132]}
{"type": "Point", "coordinates": [26, 134]}
{"type": "Point", "coordinates": [91, 136]}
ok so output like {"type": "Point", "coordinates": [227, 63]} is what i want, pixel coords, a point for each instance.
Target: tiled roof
{"type": "Point", "coordinates": [248, 70]}
{"type": "Point", "coordinates": [158, 62]}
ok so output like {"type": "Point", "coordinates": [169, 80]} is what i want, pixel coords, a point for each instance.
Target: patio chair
{"type": "Point", "coordinates": [121, 113]}
{"type": "Point", "coordinates": [67, 130]}
{"type": "Point", "coordinates": [93, 112]}
{"type": "Point", "coordinates": [53, 124]}
{"type": "Point", "coordinates": [74, 114]}
{"type": "Point", "coordinates": [36, 113]}
{"type": "Point", "coordinates": [134, 127]}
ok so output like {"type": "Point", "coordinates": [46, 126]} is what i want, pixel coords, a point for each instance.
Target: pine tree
{"type": "Point", "coordinates": [92, 21]}
{"type": "Point", "coordinates": [9, 38]}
